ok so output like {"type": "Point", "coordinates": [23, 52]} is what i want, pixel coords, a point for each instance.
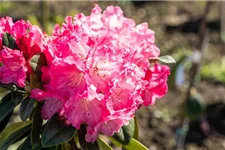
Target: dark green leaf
{"type": "Point", "coordinates": [126, 133]}
{"type": "Point", "coordinates": [37, 61]}
{"type": "Point", "coordinates": [52, 148]}
{"type": "Point", "coordinates": [85, 145]}
{"type": "Point", "coordinates": [194, 107]}
{"type": "Point", "coordinates": [26, 145]}
{"type": "Point", "coordinates": [36, 127]}
{"type": "Point", "coordinates": [166, 59]}
{"type": "Point", "coordinates": [5, 121]}
{"type": "Point", "coordinates": [103, 145]}
{"type": "Point", "coordinates": [12, 133]}
{"type": "Point", "coordinates": [26, 108]}
{"type": "Point", "coordinates": [56, 132]}
{"type": "Point", "coordinates": [17, 98]}
{"type": "Point", "coordinates": [134, 145]}
{"type": "Point", "coordinates": [7, 104]}
{"type": "Point", "coordinates": [9, 41]}
{"type": "Point", "coordinates": [32, 113]}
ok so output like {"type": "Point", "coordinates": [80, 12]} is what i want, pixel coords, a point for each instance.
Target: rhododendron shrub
{"type": "Point", "coordinates": [98, 71]}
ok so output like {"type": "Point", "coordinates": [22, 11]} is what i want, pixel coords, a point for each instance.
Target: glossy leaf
{"type": "Point", "coordinates": [115, 142]}
{"type": "Point", "coordinates": [134, 145]}
{"type": "Point", "coordinates": [103, 145]}
{"type": "Point", "coordinates": [56, 132]}
{"type": "Point", "coordinates": [7, 104]}
{"type": "Point", "coordinates": [12, 133]}
{"type": "Point", "coordinates": [166, 59]}
{"type": "Point", "coordinates": [26, 145]}
{"type": "Point", "coordinates": [37, 61]}
{"type": "Point", "coordinates": [5, 121]}
{"type": "Point", "coordinates": [9, 41]}
{"type": "Point", "coordinates": [36, 127]}
{"type": "Point", "coordinates": [86, 145]}
{"type": "Point", "coordinates": [26, 108]}
{"type": "Point", "coordinates": [126, 132]}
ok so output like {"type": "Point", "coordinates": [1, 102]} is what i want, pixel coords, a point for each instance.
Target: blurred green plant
{"type": "Point", "coordinates": [4, 6]}
{"type": "Point", "coordinates": [214, 71]}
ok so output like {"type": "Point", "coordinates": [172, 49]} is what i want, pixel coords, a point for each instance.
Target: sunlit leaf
{"type": "Point", "coordinates": [56, 132]}
{"type": "Point", "coordinates": [103, 145]}
{"type": "Point", "coordinates": [166, 59]}
{"type": "Point", "coordinates": [37, 61]}
{"type": "Point", "coordinates": [12, 133]}
{"type": "Point", "coordinates": [115, 142]}
{"type": "Point", "coordinates": [134, 145]}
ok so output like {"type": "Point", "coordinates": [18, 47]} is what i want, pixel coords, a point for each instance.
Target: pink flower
{"type": "Point", "coordinates": [98, 71]}
{"type": "Point", "coordinates": [29, 38]}
{"type": "Point", "coordinates": [157, 86]}
{"type": "Point", "coordinates": [13, 67]}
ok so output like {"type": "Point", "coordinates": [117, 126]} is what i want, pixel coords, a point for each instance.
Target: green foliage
{"type": "Point", "coordinates": [166, 59]}
{"type": "Point", "coordinates": [84, 145]}
{"type": "Point", "coordinates": [126, 133]}
{"type": "Point", "coordinates": [37, 61]}
{"type": "Point", "coordinates": [214, 70]}
{"type": "Point", "coordinates": [103, 145]}
{"type": "Point", "coordinates": [125, 137]}
{"type": "Point", "coordinates": [3, 92]}
{"type": "Point", "coordinates": [26, 145]}
{"type": "Point", "coordinates": [12, 133]}
{"type": "Point", "coordinates": [194, 107]}
{"type": "Point", "coordinates": [9, 41]}
{"type": "Point", "coordinates": [26, 108]}
{"type": "Point", "coordinates": [5, 121]}
{"type": "Point", "coordinates": [7, 104]}
{"type": "Point", "coordinates": [36, 127]}
{"type": "Point", "coordinates": [134, 144]}
{"type": "Point", "coordinates": [57, 132]}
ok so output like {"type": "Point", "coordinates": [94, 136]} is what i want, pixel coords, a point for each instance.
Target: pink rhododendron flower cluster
{"type": "Point", "coordinates": [98, 71]}
{"type": "Point", "coordinates": [12, 67]}
{"type": "Point", "coordinates": [14, 63]}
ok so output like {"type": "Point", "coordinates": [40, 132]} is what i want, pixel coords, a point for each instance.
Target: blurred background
{"type": "Point", "coordinates": [192, 114]}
